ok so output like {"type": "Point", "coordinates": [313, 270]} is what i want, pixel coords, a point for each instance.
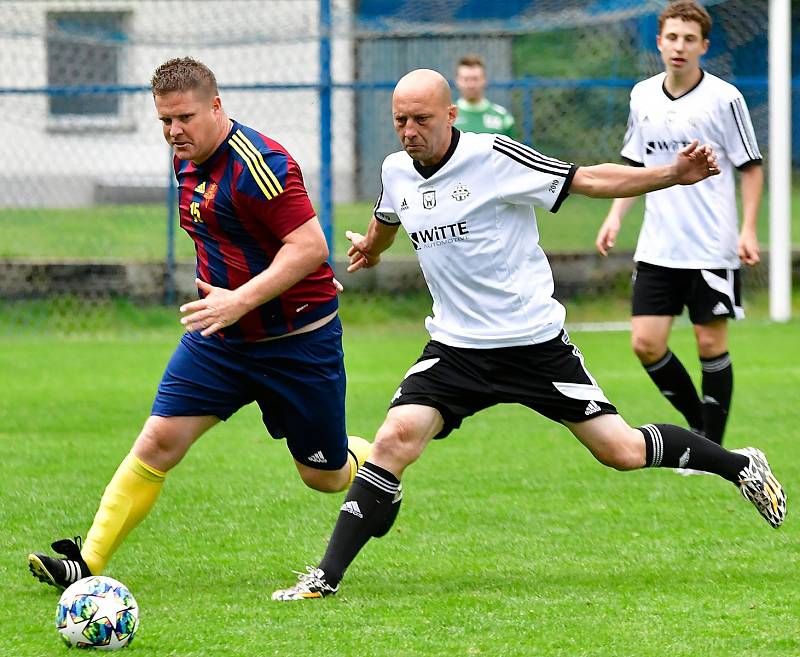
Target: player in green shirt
{"type": "Point", "coordinates": [475, 112]}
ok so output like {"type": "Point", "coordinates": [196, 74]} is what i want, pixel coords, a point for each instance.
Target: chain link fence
{"type": "Point", "coordinates": [87, 218]}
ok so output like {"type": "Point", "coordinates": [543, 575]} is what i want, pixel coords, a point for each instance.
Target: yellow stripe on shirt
{"type": "Point", "coordinates": [257, 154]}
{"type": "Point", "coordinates": [262, 174]}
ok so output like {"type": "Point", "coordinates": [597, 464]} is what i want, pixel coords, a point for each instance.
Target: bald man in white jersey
{"type": "Point", "coordinates": [497, 335]}
{"type": "Point", "coordinates": [689, 253]}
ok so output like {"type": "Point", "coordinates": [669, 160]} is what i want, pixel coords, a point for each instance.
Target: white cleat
{"type": "Point", "coordinates": [760, 486]}
{"type": "Point", "coordinates": [310, 585]}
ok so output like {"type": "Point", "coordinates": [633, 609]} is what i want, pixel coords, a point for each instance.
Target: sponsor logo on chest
{"type": "Point", "coordinates": [665, 146]}
{"type": "Point", "coordinates": [427, 238]}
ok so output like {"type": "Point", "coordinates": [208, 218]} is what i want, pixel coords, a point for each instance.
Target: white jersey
{"type": "Point", "coordinates": [471, 221]}
{"type": "Point", "coordinates": [692, 226]}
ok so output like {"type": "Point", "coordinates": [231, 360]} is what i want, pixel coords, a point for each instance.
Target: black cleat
{"type": "Point", "coordinates": [60, 572]}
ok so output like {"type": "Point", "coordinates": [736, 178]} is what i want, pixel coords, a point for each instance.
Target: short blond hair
{"type": "Point", "coordinates": [183, 74]}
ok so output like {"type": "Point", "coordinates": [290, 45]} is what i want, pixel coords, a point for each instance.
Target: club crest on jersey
{"type": "Point", "coordinates": [429, 199]}
{"type": "Point", "coordinates": [460, 192]}
{"type": "Point", "coordinates": [209, 193]}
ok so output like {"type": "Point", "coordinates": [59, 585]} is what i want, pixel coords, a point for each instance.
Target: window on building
{"type": "Point", "coordinates": [85, 49]}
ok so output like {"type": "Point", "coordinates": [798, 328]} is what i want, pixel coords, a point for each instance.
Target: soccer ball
{"type": "Point", "coordinates": [97, 612]}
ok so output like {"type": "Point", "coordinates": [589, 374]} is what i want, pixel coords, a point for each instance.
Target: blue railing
{"type": "Point", "coordinates": [325, 87]}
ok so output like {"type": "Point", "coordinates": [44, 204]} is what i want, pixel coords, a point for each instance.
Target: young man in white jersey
{"type": "Point", "coordinates": [497, 334]}
{"type": "Point", "coordinates": [688, 252]}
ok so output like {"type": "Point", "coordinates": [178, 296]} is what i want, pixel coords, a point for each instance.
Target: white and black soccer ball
{"type": "Point", "coordinates": [97, 612]}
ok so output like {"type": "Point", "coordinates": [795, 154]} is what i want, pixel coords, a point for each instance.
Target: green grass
{"type": "Point", "coordinates": [511, 541]}
{"type": "Point", "coordinates": [139, 232]}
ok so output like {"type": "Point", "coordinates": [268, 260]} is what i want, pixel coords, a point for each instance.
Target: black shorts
{"type": "Point", "coordinates": [549, 378]}
{"type": "Point", "coordinates": [709, 294]}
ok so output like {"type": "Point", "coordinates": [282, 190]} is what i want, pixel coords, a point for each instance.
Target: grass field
{"type": "Point", "coordinates": [138, 232]}
{"type": "Point", "coordinates": [511, 541]}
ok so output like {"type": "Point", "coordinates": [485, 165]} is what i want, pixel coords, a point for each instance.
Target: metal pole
{"type": "Point", "coordinates": [325, 124]}
{"type": "Point", "coordinates": [780, 243]}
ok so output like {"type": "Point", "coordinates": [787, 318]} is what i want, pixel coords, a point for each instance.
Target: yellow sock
{"type": "Point", "coordinates": [358, 452]}
{"type": "Point", "coordinates": [126, 501]}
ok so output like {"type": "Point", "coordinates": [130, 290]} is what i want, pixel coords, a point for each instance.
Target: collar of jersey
{"type": "Point", "coordinates": [427, 172]}
{"type": "Point", "coordinates": [481, 106]}
{"type": "Point", "coordinates": [671, 97]}
{"type": "Point", "coordinates": [208, 163]}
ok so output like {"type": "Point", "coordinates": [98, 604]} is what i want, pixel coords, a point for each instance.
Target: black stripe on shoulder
{"type": "Point", "coordinates": [554, 170]}
{"type": "Point", "coordinates": [750, 133]}
{"type": "Point", "coordinates": [532, 153]}
{"type": "Point", "coordinates": [742, 128]}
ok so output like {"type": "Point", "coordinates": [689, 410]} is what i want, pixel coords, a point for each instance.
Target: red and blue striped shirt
{"type": "Point", "coordinates": [237, 206]}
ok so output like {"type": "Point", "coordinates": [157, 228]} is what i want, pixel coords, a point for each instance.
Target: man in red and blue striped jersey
{"type": "Point", "coordinates": [265, 328]}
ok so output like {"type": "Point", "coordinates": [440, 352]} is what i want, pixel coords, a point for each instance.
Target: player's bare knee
{"type": "Point", "coordinates": [709, 346]}
{"type": "Point", "coordinates": [158, 445]}
{"type": "Point", "coordinates": [396, 442]}
{"type": "Point", "coordinates": [648, 351]}
{"type": "Point", "coordinates": [152, 443]}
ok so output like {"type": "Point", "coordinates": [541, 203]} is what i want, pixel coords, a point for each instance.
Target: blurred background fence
{"type": "Point", "coordinates": [87, 215]}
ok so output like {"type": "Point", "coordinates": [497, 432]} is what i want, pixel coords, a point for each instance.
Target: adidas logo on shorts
{"type": "Point", "coordinates": [720, 309]}
{"type": "Point", "coordinates": [591, 408]}
{"type": "Point", "coordinates": [318, 457]}
{"type": "Point", "coordinates": [352, 507]}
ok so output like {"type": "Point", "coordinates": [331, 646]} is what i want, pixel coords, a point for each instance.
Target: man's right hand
{"type": "Point", "coordinates": [360, 257]}
{"type": "Point", "coordinates": [607, 235]}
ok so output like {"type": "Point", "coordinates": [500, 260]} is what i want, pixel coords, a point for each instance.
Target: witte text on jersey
{"type": "Point", "coordinates": [427, 238]}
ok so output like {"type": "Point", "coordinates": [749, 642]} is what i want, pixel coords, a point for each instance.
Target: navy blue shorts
{"type": "Point", "coordinates": [298, 383]}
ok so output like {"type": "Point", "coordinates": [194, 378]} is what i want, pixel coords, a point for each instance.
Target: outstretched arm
{"type": "Point", "coordinates": [365, 251]}
{"type": "Point", "coordinates": [692, 164]}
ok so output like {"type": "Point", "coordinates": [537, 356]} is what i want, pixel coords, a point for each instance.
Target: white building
{"type": "Point", "coordinates": [67, 151]}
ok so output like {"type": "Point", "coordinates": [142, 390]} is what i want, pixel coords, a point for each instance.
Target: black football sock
{"type": "Point", "coordinates": [717, 393]}
{"type": "Point", "coordinates": [674, 382]}
{"type": "Point", "coordinates": [383, 529]}
{"type": "Point", "coordinates": [669, 446]}
{"type": "Point", "coordinates": [368, 511]}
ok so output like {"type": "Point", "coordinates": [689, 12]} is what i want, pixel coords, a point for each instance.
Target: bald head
{"type": "Point", "coordinates": [423, 113]}
{"type": "Point", "coordinates": [424, 83]}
